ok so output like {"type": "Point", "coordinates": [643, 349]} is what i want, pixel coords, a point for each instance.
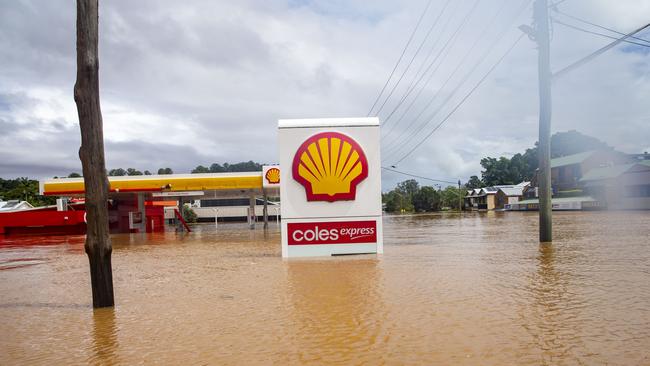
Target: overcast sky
{"type": "Point", "coordinates": [196, 82]}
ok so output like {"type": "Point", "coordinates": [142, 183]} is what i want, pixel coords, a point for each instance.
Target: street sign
{"type": "Point", "coordinates": [330, 184]}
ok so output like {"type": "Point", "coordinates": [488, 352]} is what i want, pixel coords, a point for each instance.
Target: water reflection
{"type": "Point", "coordinates": [553, 319]}
{"type": "Point", "coordinates": [105, 344]}
{"type": "Point", "coordinates": [337, 308]}
{"type": "Point", "coordinates": [473, 291]}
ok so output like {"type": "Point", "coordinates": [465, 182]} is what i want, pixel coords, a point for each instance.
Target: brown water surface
{"type": "Point", "coordinates": [476, 290]}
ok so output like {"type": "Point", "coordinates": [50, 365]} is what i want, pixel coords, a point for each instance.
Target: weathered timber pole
{"type": "Point", "coordinates": [265, 212]}
{"type": "Point", "coordinates": [460, 198]}
{"type": "Point", "coordinates": [544, 149]}
{"type": "Point", "coordinates": [86, 96]}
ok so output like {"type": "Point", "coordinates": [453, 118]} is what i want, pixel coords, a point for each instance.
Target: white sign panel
{"type": "Point", "coordinates": [330, 184]}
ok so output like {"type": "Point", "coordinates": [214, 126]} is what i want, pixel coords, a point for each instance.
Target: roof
{"type": "Point", "coordinates": [160, 183]}
{"type": "Point", "coordinates": [560, 200]}
{"type": "Point", "coordinates": [610, 172]}
{"type": "Point", "coordinates": [14, 205]}
{"type": "Point", "coordinates": [513, 191]}
{"type": "Point", "coordinates": [571, 159]}
{"type": "Point", "coordinates": [606, 172]}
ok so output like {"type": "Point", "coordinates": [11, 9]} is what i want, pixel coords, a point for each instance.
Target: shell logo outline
{"type": "Point", "coordinates": [330, 166]}
{"type": "Point", "coordinates": [272, 176]}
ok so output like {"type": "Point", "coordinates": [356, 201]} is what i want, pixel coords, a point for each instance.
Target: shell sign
{"type": "Point", "coordinates": [330, 186]}
{"type": "Point", "coordinates": [330, 165]}
{"type": "Point", "coordinates": [272, 176]}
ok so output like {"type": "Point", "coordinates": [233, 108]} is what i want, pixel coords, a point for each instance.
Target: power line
{"type": "Point", "coordinates": [417, 176]}
{"type": "Point", "coordinates": [417, 51]}
{"type": "Point", "coordinates": [598, 34]}
{"type": "Point", "coordinates": [596, 53]}
{"type": "Point", "coordinates": [396, 146]}
{"type": "Point", "coordinates": [464, 58]}
{"type": "Point", "coordinates": [412, 86]}
{"type": "Point", "coordinates": [462, 101]}
{"type": "Point", "coordinates": [400, 57]}
{"type": "Point", "coordinates": [598, 25]}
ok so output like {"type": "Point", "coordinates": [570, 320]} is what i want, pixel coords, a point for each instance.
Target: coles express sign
{"type": "Point", "coordinates": [333, 232]}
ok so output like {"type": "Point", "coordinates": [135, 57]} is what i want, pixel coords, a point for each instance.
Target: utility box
{"type": "Point", "coordinates": [330, 186]}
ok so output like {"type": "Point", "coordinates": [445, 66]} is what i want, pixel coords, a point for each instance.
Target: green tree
{"type": "Point", "coordinates": [200, 169]}
{"type": "Point", "coordinates": [132, 171]}
{"type": "Point", "coordinates": [119, 172]}
{"type": "Point", "coordinates": [146, 172]}
{"type": "Point", "coordinates": [473, 182]}
{"type": "Point", "coordinates": [426, 199]}
{"type": "Point", "coordinates": [408, 188]}
{"type": "Point", "coordinates": [450, 197]}
{"type": "Point", "coordinates": [396, 201]}
{"type": "Point", "coordinates": [74, 175]}
{"type": "Point", "coordinates": [163, 171]}
{"type": "Point", "coordinates": [24, 189]}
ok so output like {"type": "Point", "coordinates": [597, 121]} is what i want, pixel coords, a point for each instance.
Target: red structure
{"type": "Point", "coordinates": [50, 221]}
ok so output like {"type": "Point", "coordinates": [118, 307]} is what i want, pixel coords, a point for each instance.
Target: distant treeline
{"type": "Point", "coordinates": [26, 189]}
{"type": "Point", "coordinates": [244, 166]}
{"type": "Point", "coordinates": [521, 167]}
{"type": "Point", "coordinates": [23, 189]}
{"type": "Point", "coordinates": [408, 196]}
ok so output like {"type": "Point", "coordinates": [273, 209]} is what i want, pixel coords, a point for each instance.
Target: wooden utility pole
{"type": "Point", "coordinates": [460, 198]}
{"type": "Point", "coordinates": [86, 96]}
{"type": "Point", "coordinates": [544, 148]}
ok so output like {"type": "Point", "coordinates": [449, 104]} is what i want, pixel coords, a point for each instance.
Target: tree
{"type": "Point", "coordinates": [426, 199]}
{"type": "Point", "coordinates": [146, 172]}
{"type": "Point", "coordinates": [473, 182]}
{"type": "Point", "coordinates": [408, 187]}
{"type": "Point", "coordinates": [200, 169]}
{"type": "Point", "coordinates": [119, 172]}
{"type": "Point", "coordinates": [24, 189]}
{"type": "Point", "coordinates": [86, 95]}
{"type": "Point", "coordinates": [397, 202]}
{"type": "Point", "coordinates": [163, 171]}
{"type": "Point", "coordinates": [132, 171]}
{"type": "Point", "coordinates": [74, 175]}
{"type": "Point", "coordinates": [449, 197]}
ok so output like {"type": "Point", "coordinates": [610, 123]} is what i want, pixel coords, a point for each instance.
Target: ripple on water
{"type": "Point", "coordinates": [470, 289]}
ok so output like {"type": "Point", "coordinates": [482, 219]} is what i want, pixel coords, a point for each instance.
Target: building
{"type": "Point", "coordinates": [471, 199]}
{"type": "Point", "coordinates": [620, 187]}
{"type": "Point", "coordinates": [487, 198]}
{"type": "Point", "coordinates": [233, 209]}
{"type": "Point", "coordinates": [14, 205]}
{"type": "Point", "coordinates": [566, 171]}
{"type": "Point", "coordinates": [508, 195]}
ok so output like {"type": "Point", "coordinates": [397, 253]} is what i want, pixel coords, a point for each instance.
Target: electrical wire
{"type": "Point", "coordinates": [484, 32]}
{"type": "Point", "coordinates": [453, 38]}
{"type": "Point", "coordinates": [417, 176]}
{"type": "Point", "coordinates": [462, 101]}
{"type": "Point", "coordinates": [598, 34]}
{"type": "Point", "coordinates": [596, 53]}
{"type": "Point", "coordinates": [405, 136]}
{"type": "Point", "coordinates": [400, 57]}
{"type": "Point", "coordinates": [598, 25]}
{"type": "Point", "coordinates": [408, 66]}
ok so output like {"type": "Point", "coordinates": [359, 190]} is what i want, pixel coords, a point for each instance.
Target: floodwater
{"type": "Point", "coordinates": [476, 290]}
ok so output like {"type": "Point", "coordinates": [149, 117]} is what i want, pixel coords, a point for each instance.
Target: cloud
{"type": "Point", "coordinates": [200, 81]}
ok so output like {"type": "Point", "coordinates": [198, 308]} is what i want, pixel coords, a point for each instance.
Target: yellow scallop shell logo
{"type": "Point", "coordinates": [330, 165]}
{"type": "Point", "coordinates": [272, 176]}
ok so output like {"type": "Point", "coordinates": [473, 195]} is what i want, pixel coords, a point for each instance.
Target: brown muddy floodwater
{"type": "Point", "coordinates": [476, 290]}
